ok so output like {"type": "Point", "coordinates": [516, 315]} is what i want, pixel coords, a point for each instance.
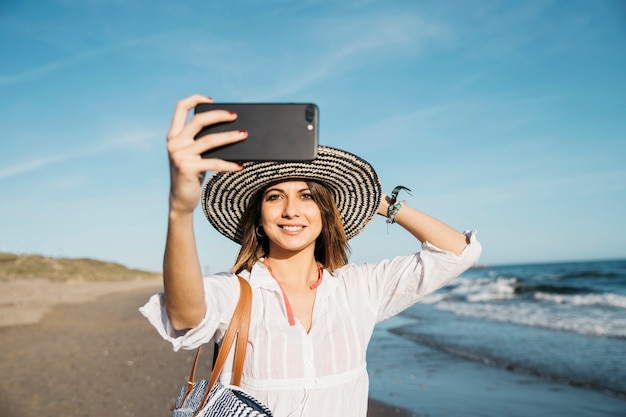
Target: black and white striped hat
{"type": "Point", "coordinates": [352, 181]}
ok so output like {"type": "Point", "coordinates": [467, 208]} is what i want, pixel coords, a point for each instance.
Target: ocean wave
{"type": "Point", "coordinates": [484, 289]}
{"type": "Point", "coordinates": [503, 288]}
{"type": "Point", "coordinates": [607, 299]}
{"type": "Point", "coordinates": [590, 322]}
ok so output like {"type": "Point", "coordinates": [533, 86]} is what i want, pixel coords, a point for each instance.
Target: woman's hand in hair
{"type": "Point", "coordinates": [425, 228]}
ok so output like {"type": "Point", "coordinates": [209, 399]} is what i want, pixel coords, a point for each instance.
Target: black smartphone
{"type": "Point", "coordinates": [276, 131]}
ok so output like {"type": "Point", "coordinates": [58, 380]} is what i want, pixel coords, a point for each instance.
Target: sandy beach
{"type": "Point", "coordinates": [28, 301]}
{"type": "Point", "coordinates": [82, 349]}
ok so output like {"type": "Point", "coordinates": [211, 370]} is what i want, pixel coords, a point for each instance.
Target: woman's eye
{"type": "Point", "coordinates": [272, 197]}
{"type": "Point", "coordinates": [307, 196]}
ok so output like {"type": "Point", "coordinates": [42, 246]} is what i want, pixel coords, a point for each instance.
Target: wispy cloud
{"type": "Point", "coordinates": [71, 60]}
{"type": "Point", "coordinates": [346, 45]}
{"type": "Point", "coordinates": [317, 50]}
{"type": "Point", "coordinates": [141, 139]}
{"type": "Point", "coordinates": [481, 119]}
{"type": "Point", "coordinates": [49, 67]}
{"type": "Point", "coordinates": [24, 167]}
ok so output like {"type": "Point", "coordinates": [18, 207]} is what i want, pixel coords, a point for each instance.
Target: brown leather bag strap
{"type": "Point", "coordinates": [237, 328]}
{"type": "Point", "coordinates": [242, 334]}
{"type": "Point", "coordinates": [192, 376]}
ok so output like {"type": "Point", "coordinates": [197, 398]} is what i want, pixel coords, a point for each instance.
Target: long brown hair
{"type": "Point", "coordinates": [331, 246]}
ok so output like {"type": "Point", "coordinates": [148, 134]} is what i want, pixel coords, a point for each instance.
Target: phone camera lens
{"type": "Point", "coordinates": [310, 113]}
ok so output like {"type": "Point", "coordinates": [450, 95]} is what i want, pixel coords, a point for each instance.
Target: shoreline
{"type": "Point", "coordinates": [427, 381]}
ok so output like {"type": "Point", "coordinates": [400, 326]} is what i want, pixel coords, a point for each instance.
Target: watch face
{"type": "Point", "coordinates": [398, 206]}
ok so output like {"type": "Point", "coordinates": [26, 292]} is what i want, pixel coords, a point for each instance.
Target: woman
{"type": "Point", "coordinates": [312, 313]}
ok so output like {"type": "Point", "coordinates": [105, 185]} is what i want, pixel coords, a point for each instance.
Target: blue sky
{"type": "Point", "coordinates": [507, 117]}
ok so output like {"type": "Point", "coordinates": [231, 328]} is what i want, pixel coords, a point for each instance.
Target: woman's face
{"type": "Point", "coordinates": [290, 218]}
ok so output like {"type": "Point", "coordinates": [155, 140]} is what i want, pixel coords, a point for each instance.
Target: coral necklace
{"type": "Point", "coordinates": [290, 316]}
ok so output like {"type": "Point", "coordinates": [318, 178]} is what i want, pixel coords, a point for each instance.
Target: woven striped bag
{"type": "Point", "coordinates": [211, 398]}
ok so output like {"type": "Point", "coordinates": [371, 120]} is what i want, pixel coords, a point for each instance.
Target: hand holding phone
{"type": "Point", "coordinates": [276, 131]}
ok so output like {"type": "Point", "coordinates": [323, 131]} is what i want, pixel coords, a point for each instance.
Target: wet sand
{"type": "Point", "coordinates": [96, 356]}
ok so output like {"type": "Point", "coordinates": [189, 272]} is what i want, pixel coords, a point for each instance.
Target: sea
{"type": "Point", "coordinates": [555, 331]}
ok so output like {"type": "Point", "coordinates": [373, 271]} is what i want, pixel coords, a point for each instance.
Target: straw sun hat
{"type": "Point", "coordinates": [352, 181]}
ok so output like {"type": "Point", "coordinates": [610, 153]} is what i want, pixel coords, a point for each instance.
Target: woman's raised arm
{"type": "Point", "coordinates": [182, 275]}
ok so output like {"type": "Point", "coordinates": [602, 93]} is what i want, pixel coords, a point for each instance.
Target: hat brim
{"type": "Point", "coordinates": [352, 181]}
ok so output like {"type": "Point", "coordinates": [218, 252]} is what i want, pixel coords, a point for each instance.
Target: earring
{"type": "Point", "coordinates": [256, 231]}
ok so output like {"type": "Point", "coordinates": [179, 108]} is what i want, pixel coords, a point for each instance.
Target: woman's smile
{"type": "Point", "coordinates": [291, 228]}
{"type": "Point", "coordinates": [290, 217]}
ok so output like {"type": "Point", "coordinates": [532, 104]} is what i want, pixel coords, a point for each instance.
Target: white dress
{"type": "Point", "coordinates": [322, 372]}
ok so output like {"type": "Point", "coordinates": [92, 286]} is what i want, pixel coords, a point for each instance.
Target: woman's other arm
{"type": "Point", "coordinates": [426, 228]}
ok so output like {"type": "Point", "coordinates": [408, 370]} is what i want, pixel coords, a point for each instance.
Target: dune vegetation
{"type": "Point", "coordinates": [29, 267]}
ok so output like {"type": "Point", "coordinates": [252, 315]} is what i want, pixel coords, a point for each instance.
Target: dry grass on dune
{"type": "Point", "coordinates": [29, 267]}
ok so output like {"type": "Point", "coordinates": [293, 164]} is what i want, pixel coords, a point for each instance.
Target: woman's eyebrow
{"type": "Point", "coordinates": [274, 189]}
{"type": "Point", "coordinates": [280, 190]}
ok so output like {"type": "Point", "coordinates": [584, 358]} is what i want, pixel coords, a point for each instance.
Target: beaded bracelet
{"type": "Point", "coordinates": [395, 206]}
{"type": "Point", "coordinates": [393, 211]}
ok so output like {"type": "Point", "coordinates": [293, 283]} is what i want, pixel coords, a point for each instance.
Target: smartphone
{"type": "Point", "coordinates": [276, 131]}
